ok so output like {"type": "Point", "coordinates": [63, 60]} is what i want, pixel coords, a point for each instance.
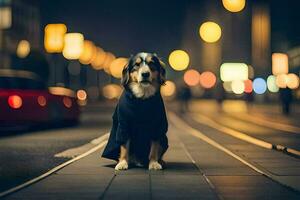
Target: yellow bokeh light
{"type": "Point", "coordinates": [234, 71]}
{"type": "Point", "coordinates": [108, 60]}
{"type": "Point", "coordinates": [73, 45]}
{"type": "Point", "coordinates": [280, 63]}
{"type": "Point", "coordinates": [23, 49]}
{"type": "Point", "coordinates": [293, 81]}
{"type": "Point", "coordinates": [281, 80]}
{"type": "Point", "coordinates": [234, 5]}
{"type": "Point", "coordinates": [98, 60]}
{"type": "Point", "coordinates": [179, 60]}
{"type": "Point", "coordinates": [210, 32]}
{"type": "Point", "coordinates": [238, 86]}
{"type": "Point", "coordinates": [54, 37]}
{"type": "Point", "coordinates": [88, 53]}
{"type": "Point", "coordinates": [227, 86]}
{"type": "Point", "coordinates": [168, 89]}
{"type": "Point", "coordinates": [112, 91]}
{"type": "Point", "coordinates": [117, 66]}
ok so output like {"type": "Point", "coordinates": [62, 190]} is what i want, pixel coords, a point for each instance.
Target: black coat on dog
{"type": "Point", "coordinates": [140, 121]}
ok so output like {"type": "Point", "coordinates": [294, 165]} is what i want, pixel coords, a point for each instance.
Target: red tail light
{"type": "Point", "coordinates": [42, 101]}
{"type": "Point", "coordinates": [14, 101]}
{"type": "Point", "coordinates": [67, 102]}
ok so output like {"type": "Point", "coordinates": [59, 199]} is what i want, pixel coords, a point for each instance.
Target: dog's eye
{"type": "Point", "coordinates": [152, 66]}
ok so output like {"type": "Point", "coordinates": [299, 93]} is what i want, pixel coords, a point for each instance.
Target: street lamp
{"type": "Point", "coordinates": [280, 63]}
{"type": "Point", "coordinates": [54, 37]}
{"type": "Point", "coordinates": [99, 59]}
{"type": "Point", "coordinates": [168, 89]}
{"type": "Point", "coordinates": [88, 53]}
{"type": "Point", "coordinates": [23, 49]}
{"type": "Point", "coordinates": [108, 60]}
{"type": "Point", "coordinates": [234, 5]}
{"type": "Point", "coordinates": [191, 77]}
{"type": "Point", "coordinates": [179, 60]}
{"type": "Point", "coordinates": [54, 43]}
{"type": "Point", "coordinates": [210, 32]}
{"type": "Point", "coordinates": [117, 66]}
{"type": "Point", "coordinates": [73, 46]}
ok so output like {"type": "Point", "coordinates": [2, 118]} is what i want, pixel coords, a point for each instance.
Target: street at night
{"type": "Point", "coordinates": [149, 99]}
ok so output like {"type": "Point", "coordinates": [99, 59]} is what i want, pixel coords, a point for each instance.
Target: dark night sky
{"type": "Point", "coordinates": [125, 27]}
{"type": "Point", "coordinates": [122, 27]}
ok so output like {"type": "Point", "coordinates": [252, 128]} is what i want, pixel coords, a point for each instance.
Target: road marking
{"type": "Point", "coordinates": [273, 125]}
{"type": "Point", "coordinates": [179, 123]}
{"type": "Point", "coordinates": [211, 185]}
{"type": "Point", "coordinates": [55, 169]}
{"type": "Point", "coordinates": [196, 133]}
{"type": "Point", "coordinates": [73, 152]}
{"type": "Point", "coordinates": [242, 136]}
{"type": "Point", "coordinates": [209, 122]}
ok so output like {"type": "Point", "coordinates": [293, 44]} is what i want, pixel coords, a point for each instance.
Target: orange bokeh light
{"type": "Point", "coordinates": [98, 60]}
{"type": "Point", "coordinates": [248, 86]}
{"type": "Point", "coordinates": [81, 95]}
{"type": "Point", "coordinates": [191, 77]}
{"type": "Point", "coordinates": [208, 79]}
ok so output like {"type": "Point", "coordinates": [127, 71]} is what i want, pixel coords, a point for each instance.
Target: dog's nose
{"type": "Point", "coordinates": [145, 74]}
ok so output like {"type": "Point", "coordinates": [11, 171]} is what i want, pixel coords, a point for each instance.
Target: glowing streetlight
{"type": "Point", "coordinates": [23, 49]}
{"type": "Point", "coordinates": [88, 53]}
{"type": "Point", "coordinates": [99, 59]}
{"type": "Point", "coordinates": [54, 37]}
{"type": "Point", "coordinates": [293, 81]}
{"type": "Point", "coordinates": [168, 89]}
{"type": "Point", "coordinates": [191, 77]}
{"type": "Point", "coordinates": [210, 32]}
{"type": "Point", "coordinates": [179, 60]}
{"type": "Point", "coordinates": [207, 79]}
{"type": "Point", "coordinates": [6, 17]}
{"type": "Point", "coordinates": [271, 84]}
{"type": "Point", "coordinates": [248, 86]}
{"type": "Point", "coordinates": [238, 86]}
{"type": "Point", "coordinates": [234, 5]}
{"type": "Point", "coordinates": [259, 86]}
{"type": "Point", "coordinates": [281, 80]}
{"type": "Point", "coordinates": [73, 45]}
{"type": "Point", "coordinates": [117, 66]}
{"type": "Point", "coordinates": [109, 58]}
{"type": "Point", "coordinates": [111, 91]}
{"type": "Point", "coordinates": [280, 63]}
{"type": "Point", "coordinates": [233, 71]}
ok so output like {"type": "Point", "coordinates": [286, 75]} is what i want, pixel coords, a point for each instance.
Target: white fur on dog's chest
{"type": "Point", "coordinates": [141, 91]}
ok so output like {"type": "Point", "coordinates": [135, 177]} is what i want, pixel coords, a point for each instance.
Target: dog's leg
{"type": "Point", "coordinates": [123, 160]}
{"type": "Point", "coordinates": [154, 156]}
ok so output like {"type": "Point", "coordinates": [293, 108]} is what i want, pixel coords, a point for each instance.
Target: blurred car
{"type": "Point", "coordinates": [26, 101]}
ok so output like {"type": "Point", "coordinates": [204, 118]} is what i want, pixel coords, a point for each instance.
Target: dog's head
{"type": "Point", "coordinates": [143, 74]}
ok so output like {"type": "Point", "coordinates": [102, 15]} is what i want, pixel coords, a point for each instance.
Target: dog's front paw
{"type": "Point", "coordinates": [154, 165]}
{"type": "Point", "coordinates": [122, 165]}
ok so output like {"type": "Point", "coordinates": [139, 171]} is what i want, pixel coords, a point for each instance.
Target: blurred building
{"type": "Point", "coordinates": [245, 36]}
{"type": "Point", "coordinates": [19, 20]}
{"type": "Point", "coordinates": [261, 37]}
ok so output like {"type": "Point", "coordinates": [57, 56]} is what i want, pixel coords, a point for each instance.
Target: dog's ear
{"type": "Point", "coordinates": [162, 69]}
{"type": "Point", "coordinates": [125, 73]}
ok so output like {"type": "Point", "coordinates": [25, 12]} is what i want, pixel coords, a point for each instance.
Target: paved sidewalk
{"type": "Point", "coordinates": [195, 170]}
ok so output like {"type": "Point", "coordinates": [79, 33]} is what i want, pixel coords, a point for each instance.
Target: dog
{"type": "Point", "coordinates": [138, 135]}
